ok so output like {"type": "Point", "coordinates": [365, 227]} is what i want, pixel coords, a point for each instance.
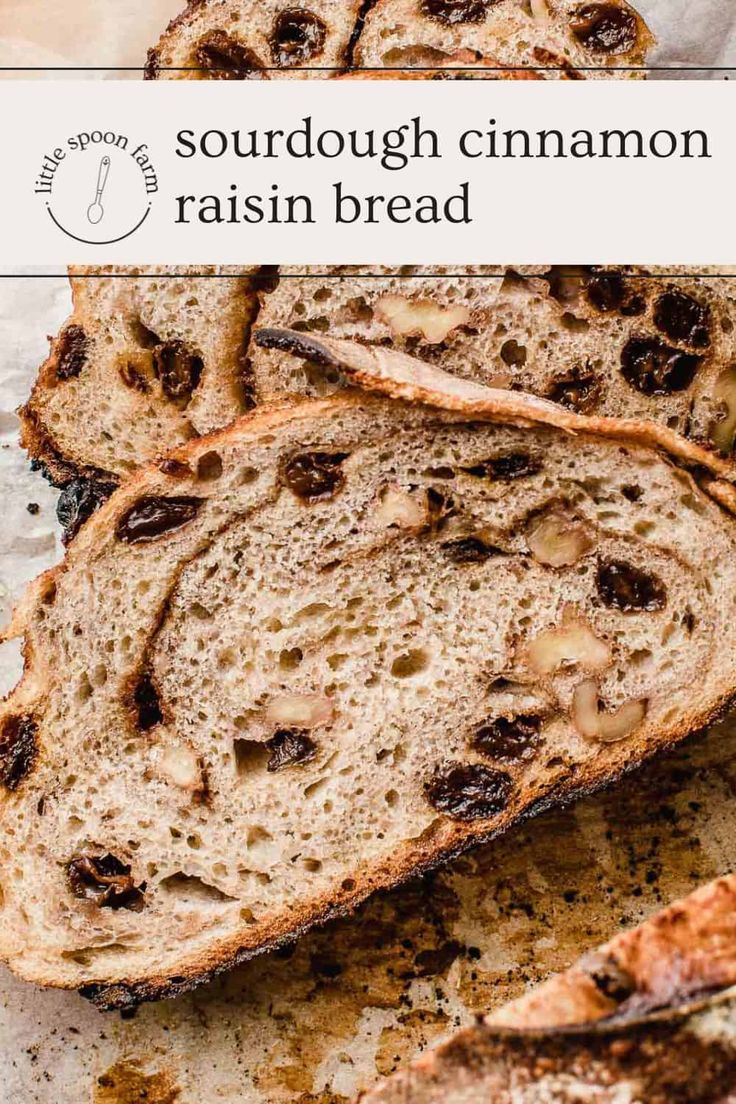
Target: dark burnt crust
{"type": "Point", "coordinates": [669, 1062]}
{"type": "Point", "coordinates": [123, 995]}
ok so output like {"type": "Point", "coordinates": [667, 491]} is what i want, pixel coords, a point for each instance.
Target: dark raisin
{"type": "Point", "coordinates": [654, 368]}
{"type": "Point", "coordinates": [634, 306]}
{"type": "Point", "coordinates": [608, 977]}
{"type": "Point", "coordinates": [298, 36]}
{"type": "Point", "coordinates": [509, 740]}
{"type": "Point", "coordinates": [579, 390]}
{"type": "Point", "coordinates": [313, 476]}
{"type": "Point", "coordinates": [288, 747]}
{"type": "Point", "coordinates": [78, 501]}
{"type": "Point", "coordinates": [632, 491]}
{"type": "Point", "coordinates": [146, 699]}
{"type": "Point", "coordinates": [105, 880]}
{"type": "Point", "coordinates": [154, 515]}
{"type": "Point", "coordinates": [71, 352]}
{"type": "Point", "coordinates": [469, 550]}
{"type": "Point", "coordinates": [468, 791]}
{"type": "Point", "coordinates": [627, 588]}
{"type": "Point", "coordinates": [222, 57]}
{"type": "Point", "coordinates": [176, 468]}
{"type": "Point", "coordinates": [178, 368]}
{"type": "Point", "coordinates": [33, 508]}
{"type": "Point", "coordinates": [18, 750]}
{"type": "Point", "coordinates": [456, 11]}
{"type": "Point", "coordinates": [606, 291]}
{"type": "Point", "coordinates": [511, 465]}
{"type": "Point", "coordinates": [132, 377]}
{"type": "Point", "coordinates": [605, 28]}
{"type": "Point", "coordinates": [683, 318]}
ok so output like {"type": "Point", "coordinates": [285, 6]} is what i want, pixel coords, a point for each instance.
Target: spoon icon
{"type": "Point", "coordinates": [95, 210]}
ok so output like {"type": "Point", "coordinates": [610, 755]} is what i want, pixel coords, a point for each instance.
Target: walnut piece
{"type": "Point", "coordinates": [405, 509]}
{"type": "Point", "coordinates": [420, 317]}
{"type": "Point", "coordinates": [572, 644]}
{"type": "Point", "coordinates": [723, 431]}
{"type": "Point", "coordinates": [558, 540]}
{"type": "Point", "coordinates": [605, 728]}
{"type": "Point", "coordinates": [180, 765]}
{"type": "Point", "coordinates": [299, 711]}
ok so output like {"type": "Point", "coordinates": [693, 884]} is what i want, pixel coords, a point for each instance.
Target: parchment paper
{"type": "Point", "coordinates": [106, 33]}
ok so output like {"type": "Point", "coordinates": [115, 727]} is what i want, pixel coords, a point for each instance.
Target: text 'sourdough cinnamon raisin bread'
{"type": "Point", "coordinates": [148, 358]}
{"type": "Point", "coordinates": [245, 39]}
{"type": "Point", "coordinates": [568, 39]}
{"type": "Point", "coordinates": [649, 1016]}
{"type": "Point", "coordinates": [329, 647]}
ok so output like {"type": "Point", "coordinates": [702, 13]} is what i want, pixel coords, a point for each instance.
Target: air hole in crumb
{"type": "Point", "coordinates": [410, 663]}
{"type": "Point", "coordinates": [290, 658]}
{"type": "Point", "coordinates": [209, 466]}
{"type": "Point", "coordinates": [312, 865]}
{"type": "Point", "coordinates": [250, 755]}
{"type": "Point", "coordinates": [513, 354]}
{"type": "Point", "coordinates": [348, 885]}
{"type": "Point", "coordinates": [189, 888]}
{"type": "Point", "coordinates": [392, 798]}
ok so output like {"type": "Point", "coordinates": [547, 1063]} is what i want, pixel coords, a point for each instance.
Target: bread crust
{"type": "Point", "coordinates": [463, 400]}
{"type": "Point", "coordinates": [576, 1025]}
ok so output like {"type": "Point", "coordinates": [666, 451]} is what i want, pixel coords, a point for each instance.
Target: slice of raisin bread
{"type": "Point", "coordinates": [149, 358]}
{"type": "Point", "coordinates": [329, 647]}
{"type": "Point", "coordinates": [245, 40]}
{"type": "Point", "coordinates": [649, 1016]}
{"type": "Point", "coordinates": [596, 341]}
{"type": "Point", "coordinates": [566, 39]}
{"type": "Point", "coordinates": [622, 344]}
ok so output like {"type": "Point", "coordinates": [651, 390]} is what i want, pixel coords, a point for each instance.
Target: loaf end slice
{"type": "Point", "coordinates": [648, 1016]}
{"type": "Point", "coordinates": [553, 38]}
{"type": "Point", "coordinates": [245, 40]}
{"type": "Point", "coordinates": [327, 648]}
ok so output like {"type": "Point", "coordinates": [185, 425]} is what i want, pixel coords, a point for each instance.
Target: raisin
{"type": "Point", "coordinates": [608, 977]}
{"type": "Point", "coordinates": [178, 368]}
{"type": "Point", "coordinates": [683, 318]}
{"type": "Point", "coordinates": [288, 747]}
{"type": "Point", "coordinates": [456, 11]}
{"type": "Point", "coordinates": [71, 352]}
{"type": "Point", "coordinates": [222, 57]}
{"type": "Point", "coordinates": [579, 390]}
{"type": "Point", "coordinates": [512, 465]}
{"type": "Point", "coordinates": [469, 550]}
{"type": "Point", "coordinates": [78, 501]}
{"type": "Point", "coordinates": [509, 740]}
{"type": "Point", "coordinates": [605, 28]}
{"type": "Point", "coordinates": [147, 704]}
{"type": "Point", "coordinates": [627, 588]}
{"type": "Point", "coordinates": [132, 377]}
{"type": "Point", "coordinates": [18, 750]}
{"type": "Point", "coordinates": [298, 36]}
{"type": "Point", "coordinates": [654, 368]}
{"type": "Point", "coordinates": [606, 291]}
{"type": "Point", "coordinates": [313, 476]}
{"type": "Point", "coordinates": [153, 515]}
{"type": "Point", "coordinates": [468, 791]}
{"type": "Point", "coordinates": [175, 468]}
{"type": "Point", "coordinates": [106, 881]}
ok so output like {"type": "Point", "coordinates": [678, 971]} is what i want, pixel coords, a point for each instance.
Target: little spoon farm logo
{"type": "Point", "coordinates": [98, 186]}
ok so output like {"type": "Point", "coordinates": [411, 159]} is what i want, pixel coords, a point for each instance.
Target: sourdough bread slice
{"type": "Point", "coordinates": [169, 354]}
{"type": "Point", "coordinates": [149, 358]}
{"type": "Point", "coordinates": [246, 40]}
{"type": "Point", "coordinates": [649, 1016]}
{"type": "Point", "coordinates": [635, 344]}
{"type": "Point", "coordinates": [326, 649]}
{"type": "Point", "coordinates": [559, 38]}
